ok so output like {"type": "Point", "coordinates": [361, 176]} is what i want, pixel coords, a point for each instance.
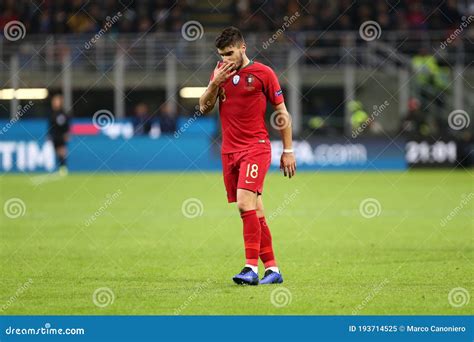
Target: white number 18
{"type": "Point", "coordinates": [252, 171]}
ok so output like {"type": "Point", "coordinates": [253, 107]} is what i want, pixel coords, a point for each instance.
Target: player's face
{"type": "Point", "coordinates": [57, 102]}
{"type": "Point", "coordinates": [233, 54]}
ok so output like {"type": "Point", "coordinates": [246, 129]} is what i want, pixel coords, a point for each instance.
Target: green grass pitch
{"type": "Point", "coordinates": [127, 233]}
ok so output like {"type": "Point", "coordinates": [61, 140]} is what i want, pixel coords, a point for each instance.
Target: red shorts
{"type": "Point", "coordinates": [245, 170]}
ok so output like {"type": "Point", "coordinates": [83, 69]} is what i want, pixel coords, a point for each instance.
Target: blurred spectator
{"type": "Point", "coordinates": [431, 79]}
{"type": "Point", "coordinates": [416, 17]}
{"type": "Point", "coordinates": [451, 15]}
{"type": "Point", "coordinates": [429, 91]}
{"type": "Point", "coordinates": [7, 14]}
{"type": "Point", "coordinates": [415, 122]}
{"type": "Point", "coordinates": [80, 21]}
{"type": "Point", "coordinates": [142, 120]}
{"type": "Point", "coordinates": [168, 119]}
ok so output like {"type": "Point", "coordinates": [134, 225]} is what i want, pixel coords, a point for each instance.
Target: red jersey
{"type": "Point", "coordinates": [242, 106]}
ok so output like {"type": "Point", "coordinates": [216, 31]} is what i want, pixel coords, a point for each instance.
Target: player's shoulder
{"type": "Point", "coordinates": [261, 70]}
{"type": "Point", "coordinates": [262, 67]}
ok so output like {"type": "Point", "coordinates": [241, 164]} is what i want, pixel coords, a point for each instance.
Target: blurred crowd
{"type": "Point", "coordinates": [79, 16]}
{"type": "Point", "coordinates": [147, 16]}
{"type": "Point", "coordinates": [349, 14]}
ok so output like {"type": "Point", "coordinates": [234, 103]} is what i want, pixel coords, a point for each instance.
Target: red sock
{"type": "Point", "coordinates": [266, 249]}
{"type": "Point", "coordinates": [251, 236]}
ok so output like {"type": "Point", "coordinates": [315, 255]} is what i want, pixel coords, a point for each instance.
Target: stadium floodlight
{"type": "Point", "coordinates": [192, 92]}
{"type": "Point", "coordinates": [24, 94]}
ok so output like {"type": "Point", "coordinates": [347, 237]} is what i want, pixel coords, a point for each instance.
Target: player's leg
{"type": "Point", "coordinates": [61, 151]}
{"type": "Point", "coordinates": [247, 205]}
{"type": "Point", "coordinates": [253, 166]}
{"type": "Point", "coordinates": [272, 273]}
{"type": "Point", "coordinates": [266, 248]}
{"type": "Point", "coordinates": [231, 177]}
{"type": "Point", "coordinates": [246, 200]}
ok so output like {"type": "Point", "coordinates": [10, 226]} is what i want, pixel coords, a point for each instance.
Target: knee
{"type": "Point", "coordinates": [246, 202]}
{"type": "Point", "coordinates": [244, 205]}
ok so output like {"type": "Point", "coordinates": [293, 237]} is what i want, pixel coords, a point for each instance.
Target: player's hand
{"type": "Point", "coordinates": [222, 72]}
{"type": "Point", "coordinates": [288, 164]}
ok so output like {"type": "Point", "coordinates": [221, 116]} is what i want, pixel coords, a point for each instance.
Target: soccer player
{"type": "Point", "coordinates": [243, 88]}
{"type": "Point", "coordinates": [58, 131]}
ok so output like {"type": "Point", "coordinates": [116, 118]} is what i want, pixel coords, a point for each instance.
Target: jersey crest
{"type": "Point", "coordinates": [235, 79]}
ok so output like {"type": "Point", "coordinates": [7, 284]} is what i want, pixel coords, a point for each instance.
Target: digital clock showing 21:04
{"type": "Point", "coordinates": [424, 152]}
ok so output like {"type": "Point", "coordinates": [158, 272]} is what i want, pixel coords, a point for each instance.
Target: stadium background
{"type": "Point", "coordinates": [379, 86]}
{"type": "Point", "coordinates": [348, 71]}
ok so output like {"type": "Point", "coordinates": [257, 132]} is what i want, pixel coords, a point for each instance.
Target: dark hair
{"type": "Point", "coordinates": [230, 36]}
{"type": "Point", "coordinates": [56, 93]}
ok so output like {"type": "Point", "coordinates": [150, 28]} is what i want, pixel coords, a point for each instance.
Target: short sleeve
{"type": "Point", "coordinates": [273, 90]}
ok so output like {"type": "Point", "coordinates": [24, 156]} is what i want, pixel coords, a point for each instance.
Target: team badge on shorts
{"type": "Point", "coordinates": [236, 79]}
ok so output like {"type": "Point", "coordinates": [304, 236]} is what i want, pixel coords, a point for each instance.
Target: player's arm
{"type": "Point", "coordinates": [208, 100]}
{"type": "Point", "coordinates": [221, 73]}
{"type": "Point", "coordinates": [287, 161]}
